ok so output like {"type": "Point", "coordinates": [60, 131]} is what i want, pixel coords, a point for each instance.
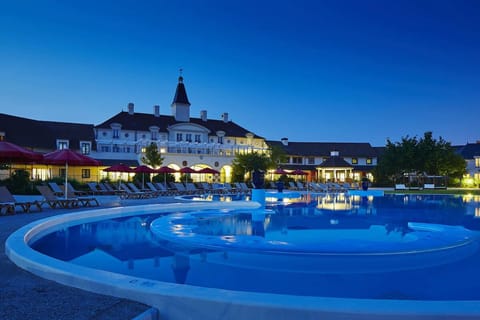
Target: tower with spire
{"type": "Point", "coordinates": [180, 105]}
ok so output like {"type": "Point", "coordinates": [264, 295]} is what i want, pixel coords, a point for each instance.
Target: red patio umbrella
{"type": "Point", "coordinates": [118, 168]}
{"type": "Point", "coordinates": [280, 171]}
{"type": "Point", "coordinates": [68, 157]}
{"type": "Point", "coordinates": [298, 172]}
{"type": "Point", "coordinates": [165, 170]}
{"type": "Point", "coordinates": [143, 169]}
{"type": "Point", "coordinates": [187, 170]}
{"type": "Point", "coordinates": [10, 153]}
{"type": "Point", "coordinates": [208, 171]}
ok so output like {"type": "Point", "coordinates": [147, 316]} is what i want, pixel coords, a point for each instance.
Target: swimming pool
{"type": "Point", "coordinates": [332, 255]}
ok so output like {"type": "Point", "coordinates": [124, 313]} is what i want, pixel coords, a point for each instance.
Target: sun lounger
{"type": "Point", "coordinates": [84, 201]}
{"type": "Point", "coordinates": [429, 186]}
{"type": "Point", "coordinates": [130, 194]}
{"type": "Point", "coordinates": [71, 189]}
{"type": "Point", "coordinates": [56, 202]}
{"type": "Point", "coordinates": [56, 189]}
{"type": "Point", "coordinates": [400, 186]}
{"type": "Point", "coordinates": [8, 200]}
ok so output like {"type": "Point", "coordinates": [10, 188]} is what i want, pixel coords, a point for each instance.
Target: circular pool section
{"type": "Point", "coordinates": [307, 249]}
{"type": "Point", "coordinates": [195, 239]}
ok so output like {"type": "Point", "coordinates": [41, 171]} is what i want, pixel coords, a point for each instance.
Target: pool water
{"type": "Point", "coordinates": [392, 247]}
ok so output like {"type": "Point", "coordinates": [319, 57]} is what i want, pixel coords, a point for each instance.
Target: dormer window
{"type": "Point", "coordinates": [354, 160]}
{"type": "Point", "coordinates": [369, 161]}
{"type": "Point", "coordinates": [85, 147]}
{"type": "Point", "coordinates": [154, 132]}
{"type": "Point", "coordinates": [62, 144]}
{"type": "Point", "coordinates": [116, 127]}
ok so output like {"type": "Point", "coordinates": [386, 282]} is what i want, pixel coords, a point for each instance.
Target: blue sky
{"type": "Point", "coordinates": [330, 71]}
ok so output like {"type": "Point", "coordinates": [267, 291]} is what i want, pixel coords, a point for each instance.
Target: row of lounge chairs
{"type": "Point", "coordinates": [154, 189]}
{"type": "Point", "coordinates": [9, 204]}
{"type": "Point", "coordinates": [329, 187]}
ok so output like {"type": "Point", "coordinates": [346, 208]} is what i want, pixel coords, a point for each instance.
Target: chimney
{"type": "Point", "coordinates": [334, 153]}
{"type": "Point", "coordinates": [225, 116]}
{"type": "Point", "coordinates": [130, 108]}
{"type": "Point", "coordinates": [156, 111]}
{"type": "Point", "coordinates": [203, 115]}
{"type": "Point", "coordinates": [284, 141]}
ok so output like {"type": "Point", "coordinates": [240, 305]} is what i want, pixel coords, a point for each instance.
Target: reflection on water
{"type": "Point", "coordinates": [127, 246]}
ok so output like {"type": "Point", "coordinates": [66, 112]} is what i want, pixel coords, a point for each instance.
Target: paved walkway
{"type": "Point", "coordinates": [26, 296]}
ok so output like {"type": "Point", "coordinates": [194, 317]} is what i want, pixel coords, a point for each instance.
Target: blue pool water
{"type": "Point", "coordinates": [393, 247]}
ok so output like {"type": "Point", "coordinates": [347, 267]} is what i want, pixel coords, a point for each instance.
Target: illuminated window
{"type": "Point", "coordinates": [355, 160]}
{"type": "Point", "coordinates": [477, 162]}
{"type": "Point", "coordinates": [369, 161]}
{"type": "Point", "coordinates": [85, 173]}
{"type": "Point", "coordinates": [2, 136]}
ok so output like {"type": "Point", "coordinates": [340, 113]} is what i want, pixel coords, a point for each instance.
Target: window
{"type": "Point", "coordinates": [369, 160]}
{"type": "Point", "coordinates": [188, 137]}
{"type": "Point", "coordinates": [220, 140]}
{"type": "Point", "coordinates": [2, 136]}
{"type": "Point", "coordinates": [179, 137]}
{"type": "Point", "coordinates": [354, 160]}
{"type": "Point", "coordinates": [85, 147]}
{"type": "Point", "coordinates": [477, 162]}
{"type": "Point", "coordinates": [297, 160]}
{"type": "Point", "coordinates": [115, 148]}
{"type": "Point", "coordinates": [311, 160]}
{"type": "Point", "coordinates": [105, 148]}
{"type": "Point", "coordinates": [126, 149]}
{"type": "Point", "coordinates": [85, 173]}
{"type": "Point", "coordinates": [154, 135]}
{"type": "Point", "coordinates": [116, 133]}
{"type": "Point", "coordinates": [62, 144]}
{"type": "Point", "coordinates": [197, 138]}
{"type": "Point", "coordinates": [62, 172]}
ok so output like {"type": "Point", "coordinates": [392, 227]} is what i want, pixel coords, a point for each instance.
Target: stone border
{"type": "Point", "coordinates": [176, 301]}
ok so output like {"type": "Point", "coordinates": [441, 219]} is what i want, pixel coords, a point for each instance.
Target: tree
{"type": "Point", "coordinates": [152, 156]}
{"type": "Point", "coordinates": [246, 163]}
{"type": "Point", "coordinates": [277, 155]}
{"type": "Point", "coordinates": [420, 156]}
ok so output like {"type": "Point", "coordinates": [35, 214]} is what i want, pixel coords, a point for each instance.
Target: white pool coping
{"type": "Point", "coordinates": [176, 301]}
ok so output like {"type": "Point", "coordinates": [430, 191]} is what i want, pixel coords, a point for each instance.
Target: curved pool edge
{"type": "Point", "coordinates": [175, 301]}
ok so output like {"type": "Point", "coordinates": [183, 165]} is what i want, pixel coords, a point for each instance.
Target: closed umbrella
{"type": "Point", "coordinates": [67, 158]}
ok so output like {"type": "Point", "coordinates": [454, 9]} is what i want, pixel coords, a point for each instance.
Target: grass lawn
{"type": "Point", "coordinates": [472, 191]}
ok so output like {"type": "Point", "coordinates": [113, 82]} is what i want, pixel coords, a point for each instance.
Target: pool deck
{"type": "Point", "coordinates": [27, 296]}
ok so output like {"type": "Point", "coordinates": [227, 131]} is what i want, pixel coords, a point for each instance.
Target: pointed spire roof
{"type": "Point", "coordinates": [180, 94]}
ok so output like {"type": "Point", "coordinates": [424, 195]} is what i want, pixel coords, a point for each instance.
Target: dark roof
{"type": "Point", "coordinates": [42, 135]}
{"type": "Point", "coordinates": [468, 151]}
{"type": "Point", "coordinates": [142, 121]}
{"type": "Point", "coordinates": [335, 162]}
{"type": "Point", "coordinates": [380, 150]}
{"type": "Point", "coordinates": [111, 162]}
{"type": "Point", "coordinates": [361, 168]}
{"type": "Point", "coordinates": [180, 93]}
{"type": "Point", "coordinates": [323, 149]}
